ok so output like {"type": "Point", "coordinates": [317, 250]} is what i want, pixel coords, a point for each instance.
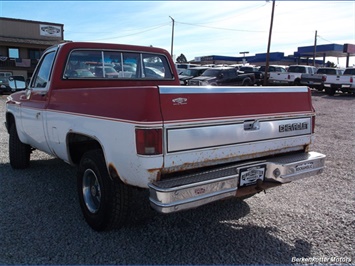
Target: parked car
{"type": "Point", "coordinates": [182, 66]}
{"type": "Point", "coordinates": [223, 76]}
{"type": "Point", "coordinates": [80, 73]}
{"type": "Point", "coordinates": [4, 82]}
{"type": "Point", "coordinates": [17, 83]}
{"type": "Point", "coordinates": [343, 83]}
{"type": "Point", "coordinates": [110, 72]}
{"type": "Point", "coordinates": [292, 76]}
{"type": "Point", "coordinates": [152, 72]}
{"type": "Point", "coordinates": [259, 76]}
{"type": "Point", "coordinates": [316, 81]}
{"type": "Point", "coordinates": [272, 68]}
{"type": "Point", "coordinates": [187, 74]}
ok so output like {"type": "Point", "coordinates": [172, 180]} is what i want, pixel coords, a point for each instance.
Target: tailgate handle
{"type": "Point", "coordinates": [250, 125]}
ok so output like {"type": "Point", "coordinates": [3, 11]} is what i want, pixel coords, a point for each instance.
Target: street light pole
{"type": "Point", "coordinates": [269, 43]}
{"type": "Point", "coordinates": [172, 37]}
{"type": "Point", "coordinates": [244, 53]}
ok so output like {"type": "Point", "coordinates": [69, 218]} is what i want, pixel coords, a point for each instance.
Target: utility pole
{"type": "Point", "coordinates": [172, 38]}
{"type": "Point", "coordinates": [269, 43]}
{"type": "Point", "coordinates": [315, 49]}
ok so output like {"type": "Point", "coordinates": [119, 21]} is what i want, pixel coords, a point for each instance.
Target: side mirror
{"type": "Point", "coordinates": [17, 83]}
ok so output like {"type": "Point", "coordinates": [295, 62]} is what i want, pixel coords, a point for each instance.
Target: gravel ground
{"type": "Point", "coordinates": [314, 218]}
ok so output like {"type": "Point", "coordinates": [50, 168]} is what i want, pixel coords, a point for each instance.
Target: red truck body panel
{"type": "Point", "coordinates": [239, 102]}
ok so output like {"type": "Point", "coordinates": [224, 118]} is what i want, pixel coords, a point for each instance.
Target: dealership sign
{"type": "Point", "coordinates": [50, 30]}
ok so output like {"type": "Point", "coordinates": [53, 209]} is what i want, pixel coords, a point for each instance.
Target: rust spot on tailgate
{"type": "Point", "coordinates": [228, 158]}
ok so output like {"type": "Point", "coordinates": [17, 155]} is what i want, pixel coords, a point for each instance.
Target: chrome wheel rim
{"type": "Point", "coordinates": [91, 191]}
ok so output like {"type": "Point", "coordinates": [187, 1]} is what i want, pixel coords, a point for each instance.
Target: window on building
{"type": "Point", "coordinates": [14, 53]}
{"type": "Point", "coordinates": [35, 54]}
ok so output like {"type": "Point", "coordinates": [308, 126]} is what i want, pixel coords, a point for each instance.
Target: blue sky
{"type": "Point", "coordinates": [201, 27]}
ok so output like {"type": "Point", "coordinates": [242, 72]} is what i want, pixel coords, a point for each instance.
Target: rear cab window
{"type": "Point", "coordinates": [102, 64]}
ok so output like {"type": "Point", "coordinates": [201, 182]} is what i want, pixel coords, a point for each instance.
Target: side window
{"type": "Point", "coordinates": [84, 64]}
{"type": "Point", "coordinates": [42, 76]}
{"type": "Point", "coordinates": [156, 67]}
{"type": "Point", "coordinates": [112, 65]}
{"type": "Point", "coordinates": [131, 65]}
{"type": "Point", "coordinates": [231, 73]}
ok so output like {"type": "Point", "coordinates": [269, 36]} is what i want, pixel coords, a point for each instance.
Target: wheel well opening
{"type": "Point", "coordinates": [10, 120]}
{"type": "Point", "coordinates": [79, 144]}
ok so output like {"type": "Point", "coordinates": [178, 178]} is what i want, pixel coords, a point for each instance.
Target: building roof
{"type": "Point", "coordinates": [31, 21]}
{"type": "Point", "coordinates": [333, 50]}
{"type": "Point", "coordinates": [28, 41]}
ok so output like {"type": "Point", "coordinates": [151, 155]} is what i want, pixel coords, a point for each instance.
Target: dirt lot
{"type": "Point", "coordinates": [310, 219]}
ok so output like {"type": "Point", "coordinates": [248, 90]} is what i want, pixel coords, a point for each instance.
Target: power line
{"type": "Point", "coordinates": [217, 28]}
{"type": "Point", "coordinates": [251, 9]}
{"type": "Point", "coordinates": [324, 39]}
{"type": "Point", "coordinates": [122, 36]}
{"type": "Point", "coordinates": [98, 32]}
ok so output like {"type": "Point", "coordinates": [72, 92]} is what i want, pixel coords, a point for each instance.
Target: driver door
{"type": "Point", "coordinates": [33, 108]}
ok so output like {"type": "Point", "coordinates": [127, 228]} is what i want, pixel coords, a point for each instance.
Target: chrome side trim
{"type": "Point", "coordinates": [224, 89]}
{"type": "Point", "coordinates": [190, 191]}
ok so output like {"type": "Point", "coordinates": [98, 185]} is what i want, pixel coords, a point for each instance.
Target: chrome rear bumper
{"type": "Point", "coordinates": [190, 191]}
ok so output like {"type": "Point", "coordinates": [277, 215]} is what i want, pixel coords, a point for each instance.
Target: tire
{"type": "Point", "coordinates": [19, 153]}
{"type": "Point", "coordinates": [330, 91]}
{"type": "Point", "coordinates": [103, 201]}
{"type": "Point", "coordinates": [246, 82]}
{"type": "Point", "coordinates": [297, 82]}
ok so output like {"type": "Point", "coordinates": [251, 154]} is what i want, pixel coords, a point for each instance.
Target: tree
{"type": "Point", "coordinates": [181, 59]}
{"type": "Point", "coordinates": [330, 64]}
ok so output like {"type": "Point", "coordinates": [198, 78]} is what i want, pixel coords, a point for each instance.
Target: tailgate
{"type": "Point", "coordinates": [212, 125]}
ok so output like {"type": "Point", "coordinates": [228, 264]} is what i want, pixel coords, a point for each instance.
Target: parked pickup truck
{"type": "Point", "coordinates": [187, 146]}
{"type": "Point", "coordinates": [318, 79]}
{"type": "Point", "coordinates": [344, 82]}
{"type": "Point", "coordinates": [223, 76]}
{"type": "Point", "coordinates": [187, 74]}
{"type": "Point", "coordinates": [291, 77]}
{"type": "Point", "coordinates": [259, 76]}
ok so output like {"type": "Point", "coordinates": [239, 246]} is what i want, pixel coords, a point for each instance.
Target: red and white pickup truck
{"type": "Point", "coordinates": [118, 113]}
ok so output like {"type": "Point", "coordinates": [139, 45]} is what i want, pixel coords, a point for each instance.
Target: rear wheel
{"type": "Point", "coordinates": [246, 82]}
{"type": "Point", "coordinates": [19, 153]}
{"type": "Point", "coordinates": [330, 91]}
{"type": "Point", "coordinates": [297, 82]}
{"type": "Point", "coordinates": [103, 200]}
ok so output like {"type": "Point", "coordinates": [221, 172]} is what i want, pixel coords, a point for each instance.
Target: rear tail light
{"type": "Point", "coordinates": [313, 123]}
{"type": "Point", "coordinates": [149, 141]}
{"type": "Point", "coordinates": [351, 80]}
{"type": "Point", "coordinates": [324, 78]}
{"type": "Point", "coordinates": [289, 76]}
